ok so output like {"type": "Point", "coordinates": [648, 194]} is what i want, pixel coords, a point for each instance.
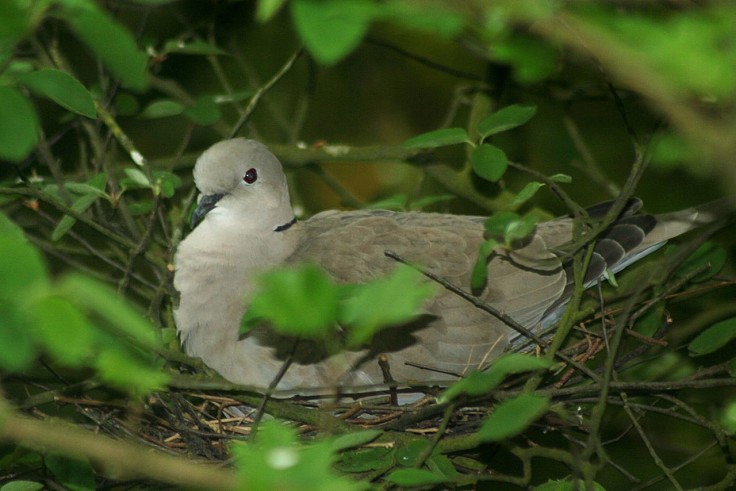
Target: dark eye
{"type": "Point", "coordinates": [250, 176]}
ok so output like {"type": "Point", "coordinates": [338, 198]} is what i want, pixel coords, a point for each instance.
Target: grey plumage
{"type": "Point", "coordinates": [246, 229]}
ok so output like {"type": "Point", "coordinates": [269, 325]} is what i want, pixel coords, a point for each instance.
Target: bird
{"type": "Point", "coordinates": [244, 224]}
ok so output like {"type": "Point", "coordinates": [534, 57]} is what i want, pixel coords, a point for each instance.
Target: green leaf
{"type": "Point", "coordinates": [162, 108]}
{"type": "Point", "coordinates": [512, 416]}
{"type": "Point", "coordinates": [84, 188]}
{"type": "Point", "coordinates": [561, 178]}
{"type": "Point", "coordinates": [409, 454]}
{"type": "Point", "coordinates": [138, 177]}
{"type": "Point", "coordinates": [489, 162]}
{"type": "Point", "coordinates": [76, 475]}
{"type": "Point", "coordinates": [442, 466]}
{"type": "Point", "coordinates": [526, 193]}
{"type": "Point", "coordinates": [331, 29]}
{"type": "Point", "coordinates": [520, 229]}
{"type": "Point", "coordinates": [505, 119]}
{"type": "Point", "coordinates": [388, 301]}
{"type": "Point", "coordinates": [205, 112]}
{"type": "Point", "coordinates": [709, 254]}
{"type": "Point", "coordinates": [62, 330]}
{"type": "Point", "coordinates": [166, 183]}
{"type": "Point", "coordinates": [192, 48]}
{"type": "Point", "coordinates": [566, 485]}
{"type": "Point", "coordinates": [108, 39]}
{"type": "Point", "coordinates": [299, 301]}
{"type": "Point", "coordinates": [266, 9]}
{"type": "Point", "coordinates": [714, 338]}
{"type": "Point", "coordinates": [366, 459]}
{"type": "Point", "coordinates": [480, 383]}
{"type": "Point", "coordinates": [21, 485]}
{"type": "Point", "coordinates": [415, 477]}
{"type": "Point", "coordinates": [62, 88]}
{"type": "Point", "coordinates": [18, 125]}
{"type": "Point", "coordinates": [356, 439]}
{"type": "Point", "coordinates": [67, 222]}
{"type": "Point", "coordinates": [438, 138]}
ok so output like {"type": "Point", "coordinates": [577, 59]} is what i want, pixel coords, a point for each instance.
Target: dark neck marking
{"type": "Point", "coordinates": [286, 226]}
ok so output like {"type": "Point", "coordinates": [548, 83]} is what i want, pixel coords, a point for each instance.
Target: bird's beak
{"type": "Point", "coordinates": [205, 205]}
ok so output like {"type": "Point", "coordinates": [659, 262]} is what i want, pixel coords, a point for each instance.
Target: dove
{"type": "Point", "coordinates": [244, 225]}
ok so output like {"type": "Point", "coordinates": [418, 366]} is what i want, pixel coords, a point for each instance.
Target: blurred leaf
{"type": "Point", "coordinates": [497, 224]}
{"type": "Point", "coordinates": [126, 104]}
{"type": "Point", "coordinates": [710, 254]}
{"type": "Point", "coordinates": [18, 125]}
{"type": "Point", "coordinates": [105, 303]}
{"type": "Point", "coordinates": [17, 350]}
{"type": "Point", "coordinates": [414, 477]}
{"type": "Point", "coordinates": [109, 40]}
{"type": "Point", "coordinates": [714, 338]}
{"type": "Point", "coordinates": [505, 119]}
{"type": "Point", "coordinates": [438, 138]}
{"type": "Point", "coordinates": [205, 112]}
{"type": "Point", "coordinates": [140, 207]}
{"type": "Point", "coordinates": [192, 48]}
{"type": "Point", "coordinates": [728, 418]}
{"type": "Point", "coordinates": [331, 29]}
{"type": "Point", "coordinates": [428, 201]}
{"type": "Point", "coordinates": [62, 330]}
{"type": "Point", "coordinates": [520, 229]}
{"type": "Point", "coordinates": [399, 295]}
{"type": "Point", "coordinates": [275, 461]}
{"type": "Point", "coordinates": [238, 96]}
{"type": "Point", "coordinates": [67, 222]}
{"type": "Point", "coordinates": [437, 20]}
{"type": "Point", "coordinates": [480, 383]}
{"type": "Point", "coordinates": [512, 416]}
{"type": "Point", "coordinates": [533, 60]}
{"type": "Point", "coordinates": [395, 202]}
{"type": "Point", "coordinates": [489, 162]}
{"type": "Point", "coordinates": [691, 50]}
{"type": "Point", "coordinates": [121, 368]}
{"type": "Point", "coordinates": [299, 301]}
{"type": "Point", "coordinates": [22, 270]}
{"type": "Point", "coordinates": [266, 9]}
{"type": "Point", "coordinates": [162, 108]}
{"type": "Point", "coordinates": [527, 192]}
{"type": "Point", "coordinates": [76, 475]}
{"type": "Point", "coordinates": [480, 268]}
{"type": "Point", "coordinates": [62, 88]}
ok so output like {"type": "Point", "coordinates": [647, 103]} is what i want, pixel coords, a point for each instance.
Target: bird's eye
{"type": "Point", "coordinates": [250, 176]}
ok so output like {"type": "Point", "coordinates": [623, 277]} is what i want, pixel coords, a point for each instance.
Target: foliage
{"type": "Point", "coordinates": [104, 107]}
